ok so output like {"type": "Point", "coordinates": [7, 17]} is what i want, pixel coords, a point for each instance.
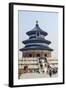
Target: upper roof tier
{"type": "Point", "coordinates": [37, 29]}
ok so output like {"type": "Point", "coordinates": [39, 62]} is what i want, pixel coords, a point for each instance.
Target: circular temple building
{"type": "Point", "coordinates": [36, 45]}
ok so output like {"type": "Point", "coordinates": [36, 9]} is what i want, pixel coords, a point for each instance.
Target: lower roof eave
{"type": "Point", "coordinates": [24, 49]}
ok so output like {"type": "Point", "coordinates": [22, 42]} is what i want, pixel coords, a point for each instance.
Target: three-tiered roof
{"type": "Point", "coordinates": [36, 40]}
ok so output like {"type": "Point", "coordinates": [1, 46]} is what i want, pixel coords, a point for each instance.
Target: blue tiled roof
{"type": "Point", "coordinates": [36, 47]}
{"type": "Point", "coordinates": [37, 29]}
{"type": "Point", "coordinates": [36, 40]}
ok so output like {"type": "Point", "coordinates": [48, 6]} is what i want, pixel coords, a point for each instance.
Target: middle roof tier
{"type": "Point", "coordinates": [36, 40]}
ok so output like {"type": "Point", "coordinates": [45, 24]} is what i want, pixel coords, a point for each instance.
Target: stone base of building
{"type": "Point", "coordinates": [32, 65]}
{"type": "Point", "coordinates": [36, 53]}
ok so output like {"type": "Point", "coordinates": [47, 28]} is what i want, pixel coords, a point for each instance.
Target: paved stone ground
{"type": "Point", "coordinates": [36, 75]}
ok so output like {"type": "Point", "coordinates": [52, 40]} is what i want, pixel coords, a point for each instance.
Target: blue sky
{"type": "Point", "coordinates": [48, 21]}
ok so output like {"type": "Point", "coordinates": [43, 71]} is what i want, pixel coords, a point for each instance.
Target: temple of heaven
{"type": "Point", "coordinates": [36, 45]}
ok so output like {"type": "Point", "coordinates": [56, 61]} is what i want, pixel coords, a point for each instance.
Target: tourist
{"type": "Point", "coordinates": [50, 72]}
{"type": "Point", "coordinates": [45, 58]}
